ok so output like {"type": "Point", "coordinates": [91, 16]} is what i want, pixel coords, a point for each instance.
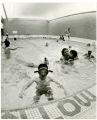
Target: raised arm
{"type": "Point", "coordinates": [61, 86]}
{"type": "Point", "coordinates": [25, 87]}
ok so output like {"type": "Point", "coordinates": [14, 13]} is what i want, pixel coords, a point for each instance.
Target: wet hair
{"type": "Point", "coordinates": [89, 52]}
{"type": "Point", "coordinates": [74, 53]}
{"type": "Point", "coordinates": [15, 38]}
{"type": "Point", "coordinates": [64, 49]}
{"type": "Point", "coordinates": [7, 43]}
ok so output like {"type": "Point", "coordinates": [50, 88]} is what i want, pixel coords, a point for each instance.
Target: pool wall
{"type": "Point", "coordinates": [83, 25]}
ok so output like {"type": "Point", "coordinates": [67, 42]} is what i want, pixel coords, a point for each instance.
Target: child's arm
{"type": "Point", "coordinates": [24, 88]}
{"type": "Point", "coordinates": [59, 85]}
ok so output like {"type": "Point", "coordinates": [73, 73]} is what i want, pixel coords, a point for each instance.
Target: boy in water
{"type": "Point", "coordinates": [7, 48]}
{"type": "Point", "coordinates": [46, 61]}
{"type": "Point", "coordinates": [42, 84]}
{"type": "Point", "coordinates": [89, 56]}
{"type": "Point", "coordinates": [66, 56]}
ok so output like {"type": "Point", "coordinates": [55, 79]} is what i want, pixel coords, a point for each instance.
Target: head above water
{"type": "Point", "coordinates": [88, 44]}
{"type": "Point", "coordinates": [45, 58]}
{"type": "Point", "coordinates": [64, 51]}
{"type": "Point", "coordinates": [43, 70]}
{"type": "Point", "coordinates": [70, 47]}
{"type": "Point", "coordinates": [89, 52]}
{"type": "Point", "coordinates": [7, 43]}
{"type": "Point", "coordinates": [74, 53]}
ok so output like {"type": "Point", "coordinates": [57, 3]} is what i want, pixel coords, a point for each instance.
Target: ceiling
{"type": "Point", "coordinates": [45, 11]}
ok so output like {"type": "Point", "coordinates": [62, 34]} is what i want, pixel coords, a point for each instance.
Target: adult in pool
{"type": "Point", "coordinates": [7, 48]}
{"type": "Point", "coordinates": [42, 84]}
{"type": "Point", "coordinates": [67, 57]}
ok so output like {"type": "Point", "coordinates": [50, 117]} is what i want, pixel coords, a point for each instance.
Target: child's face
{"type": "Point", "coordinates": [65, 52]}
{"type": "Point", "coordinates": [43, 73]}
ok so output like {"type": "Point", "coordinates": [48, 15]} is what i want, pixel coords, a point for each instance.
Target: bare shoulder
{"type": "Point", "coordinates": [50, 79]}
{"type": "Point", "coordinates": [36, 79]}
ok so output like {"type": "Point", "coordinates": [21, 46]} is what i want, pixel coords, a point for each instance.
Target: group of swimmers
{"type": "Point", "coordinates": [43, 81]}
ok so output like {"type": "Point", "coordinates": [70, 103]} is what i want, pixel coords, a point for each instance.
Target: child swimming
{"type": "Point", "coordinates": [46, 61]}
{"type": "Point", "coordinates": [89, 56]}
{"type": "Point", "coordinates": [42, 84]}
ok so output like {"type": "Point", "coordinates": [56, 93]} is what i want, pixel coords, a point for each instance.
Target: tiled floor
{"type": "Point", "coordinates": [60, 109]}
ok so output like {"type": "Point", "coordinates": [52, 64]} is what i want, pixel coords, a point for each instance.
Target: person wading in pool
{"type": "Point", "coordinates": [7, 48]}
{"type": "Point", "coordinates": [68, 33]}
{"type": "Point", "coordinates": [42, 84]}
{"type": "Point", "coordinates": [68, 57]}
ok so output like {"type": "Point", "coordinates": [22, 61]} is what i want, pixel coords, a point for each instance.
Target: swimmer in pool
{"type": "Point", "coordinates": [7, 48]}
{"type": "Point", "coordinates": [74, 54]}
{"type": "Point", "coordinates": [42, 84]}
{"type": "Point", "coordinates": [68, 33]}
{"type": "Point", "coordinates": [66, 58]}
{"type": "Point", "coordinates": [89, 56]}
{"type": "Point", "coordinates": [46, 61]}
{"type": "Point", "coordinates": [62, 37]}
